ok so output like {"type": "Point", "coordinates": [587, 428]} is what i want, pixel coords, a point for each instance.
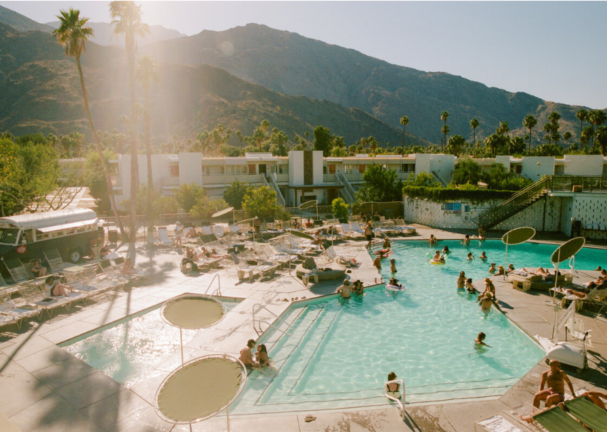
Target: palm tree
{"type": "Point", "coordinates": [597, 118]}
{"type": "Point", "coordinates": [567, 136]}
{"type": "Point", "coordinates": [581, 115]}
{"type": "Point", "coordinates": [548, 128]}
{"type": "Point", "coordinates": [73, 35]}
{"type": "Point", "coordinates": [404, 121]}
{"type": "Point", "coordinates": [529, 122]}
{"type": "Point", "coordinates": [601, 138]}
{"type": "Point", "coordinates": [146, 74]}
{"type": "Point", "coordinates": [126, 19]}
{"type": "Point", "coordinates": [445, 129]}
{"type": "Point", "coordinates": [554, 117]}
{"type": "Point", "coordinates": [503, 128]}
{"type": "Point", "coordinates": [474, 123]}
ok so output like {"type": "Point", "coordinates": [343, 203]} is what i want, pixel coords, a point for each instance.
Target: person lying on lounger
{"type": "Point", "coordinates": [596, 398]}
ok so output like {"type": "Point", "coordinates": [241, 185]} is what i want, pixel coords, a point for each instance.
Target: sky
{"type": "Point", "coordinates": [553, 50]}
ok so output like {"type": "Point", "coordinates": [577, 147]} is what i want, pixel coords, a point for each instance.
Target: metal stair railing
{"type": "Point", "coordinates": [281, 198]}
{"type": "Point", "coordinates": [517, 202]}
{"type": "Point", "coordinates": [348, 190]}
{"type": "Point", "coordinates": [257, 307]}
{"type": "Point", "coordinates": [217, 292]}
{"type": "Point", "coordinates": [439, 178]}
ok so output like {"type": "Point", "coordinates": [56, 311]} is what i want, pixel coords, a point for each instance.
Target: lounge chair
{"type": "Point", "coordinates": [557, 420]}
{"type": "Point", "coordinates": [272, 254]}
{"type": "Point", "coordinates": [356, 227]}
{"type": "Point", "coordinates": [11, 313]}
{"type": "Point", "coordinates": [408, 229]}
{"type": "Point", "coordinates": [54, 260]}
{"type": "Point", "coordinates": [163, 235]}
{"type": "Point", "coordinates": [16, 270]}
{"type": "Point", "coordinates": [207, 230]}
{"type": "Point", "coordinates": [347, 231]}
{"type": "Point", "coordinates": [340, 259]}
{"type": "Point", "coordinates": [218, 231]}
{"type": "Point", "coordinates": [588, 413]}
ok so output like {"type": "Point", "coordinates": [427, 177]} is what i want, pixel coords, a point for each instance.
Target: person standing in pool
{"type": "Point", "coordinates": [492, 269]}
{"type": "Point", "coordinates": [486, 302]}
{"type": "Point", "coordinates": [393, 266]}
{"type": "Point", "coordinates": [393, 388]}
{"type": "Point", "coordinates": [246, 356]}
{"type": "Point", "coordinates": [483, 256]}
{"type": "Point", "coordinates": [470, 256]}
{"type": "Point", "coordinates": [461, 280]}
{"type": "Point", "coordinates": [377, 262]}
{"type": "Point", "coordinates": [479, 342]}
{"type": "Point", "coordinates": [432, 241]}
{"type": "Point", "coordinates": [369, 233]}
{"type": "Point", "coordinates": [470, 288]}
{"type": "Point", "coordinates": [466, 240]}
{"type": "Point", "coordinates": [446, 250]}
{"type": "Point", "coordinates": [387, 244]}
{"type": "Point", "coordinates": [345, 290]}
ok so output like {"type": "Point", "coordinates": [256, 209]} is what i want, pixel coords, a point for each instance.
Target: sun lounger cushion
{"type": "Point", "coordinates": [557, 420]}
{"type": "Point", "coordinates": [588, 413]}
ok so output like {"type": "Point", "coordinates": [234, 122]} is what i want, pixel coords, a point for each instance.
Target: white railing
{"type": "Point", "coordinates": [257, 307]}
{"type": "Point", "coordinates": [399, 402]}
{"type": "Point", "coordinates": [281, 198]}
{"type": "Point", "coordinates": [217, 292]}
{"type": "Point", "coordinates": [348, 190]}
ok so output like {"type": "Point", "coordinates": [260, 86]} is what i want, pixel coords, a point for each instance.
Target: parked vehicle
{"type": "Point", "coordinates": [72, 232]}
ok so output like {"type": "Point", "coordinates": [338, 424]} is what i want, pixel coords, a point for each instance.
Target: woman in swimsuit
{"type": "Point", "coordinates": [393, 389]}
{"type": "Point", "coordinates": [461, 280]}
{"type": "Point", "coordinates": [479, 341]}
{"type": "Point", "coordinates": [469, 287]}
{"type": "Point", "coordinates": [57, 288]}
{"type": "Point", "coordinates": [38, 270]}
{"type": "Point", "coordinates": [262, 356]}
{"type": "Point", "coordinates": [393, 266]}
{"type": "Point", "coordinates": [446, 250]}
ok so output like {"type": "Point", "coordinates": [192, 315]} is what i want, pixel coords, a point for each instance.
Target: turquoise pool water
{"type": "Point", "coordinates": [338, 353]}
{"type": "Point", "coordinates": [130, 349]}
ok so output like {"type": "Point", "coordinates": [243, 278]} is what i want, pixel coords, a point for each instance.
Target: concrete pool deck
{"type": "Point", "coordinates": [46, 389]}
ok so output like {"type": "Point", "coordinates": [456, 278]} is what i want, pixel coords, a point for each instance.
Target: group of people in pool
{"type": "Point", "coordinates": [486, 299]}
{"type": "Point", "coordinates": [440, 257]}
{"type": "Point", "coordinates": [384, 253]}
{"type": "Point", "coordinates": [261, 360]}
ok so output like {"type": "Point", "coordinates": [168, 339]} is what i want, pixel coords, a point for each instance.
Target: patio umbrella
{"type": "Point", "coordinates": [514, 237]}
{"type": "Point", "coordinates": [308, 205]}
{"type": "Point", "coordinates": [224, 212]}
{"type": "Point", "coordinates": [300, 234]}
{"type": "Point", "coordinates": [201, 389]}
{"type": "Point", "coordinates": [193, 312]}
{"type": "Point", "coordinates": [563, 253]}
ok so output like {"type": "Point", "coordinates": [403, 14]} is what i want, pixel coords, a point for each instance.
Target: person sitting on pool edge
{"type": "Point", "coordinates": [393, 388]}
{"type": "Point", "coordinates": [479, 342]}
{"type": "Point", "coordinates": [246, 356]}
{"type": "Point", "coordinates": [393, 266]}
{"type": "Point", "coordinates": [483, 256]}
{"type": "Point", "coordinates": [510, 268]}
{"type": "Point", "coordinates": [554, 379]}
{"type": "Point", "coordinates": [461, 280]}
{"type": "Point", "coordinates": [492, 269]}
{"type": "Point", "coordinates": [262, 356]}
{"type": "Point", "coordinates": [345, 289]}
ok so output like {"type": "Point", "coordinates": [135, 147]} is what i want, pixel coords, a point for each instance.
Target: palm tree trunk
{"type": "Point", "coordinates": [108, 181]}
{"type": "Point", "coordinates": [403, 136]}
{"type": "Point", "coordinates": [148, 147]}
{"type": "Point", "coordinates": [130, 51]}
{"type": "Point", "coordinates": [529, 144]}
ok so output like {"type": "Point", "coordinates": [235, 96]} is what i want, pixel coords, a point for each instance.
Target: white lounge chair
{"type": "Point", "coordinates": [16, 270]}
{"type": "Point", "coordinates": [356, 227]}
{"type": "Point", "coordinates": [207, 230]}
{"type": "Point", "coordinates": [163, 235]}
{"type": "Point", "coordinates": [340, 259]}
{"type": "Point", "coordinates": [54, 260]}
{"type": "Point", "coordinates": [218, 231]}
{"type": "Point", "coordinates": [11, 313]}
{"type": "Point", "coordinates": [347, 231]}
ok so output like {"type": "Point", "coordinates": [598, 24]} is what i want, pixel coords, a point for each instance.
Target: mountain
{"type": "Point", "coordinates": [42, 94]}
{"type": "Point", "coordinates": [20, 22]}
{"type": "Point", "coordinates": [295, 65]}
{"type": "Point", "coordinates": [104, 34]}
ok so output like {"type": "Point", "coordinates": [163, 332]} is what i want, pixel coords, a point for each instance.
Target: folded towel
{"type": "Point", "coordinates": [519, 272]}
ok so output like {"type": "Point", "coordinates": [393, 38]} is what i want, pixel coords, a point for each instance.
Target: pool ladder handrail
{"type": "Point", "coordinates": [217, 292]}
{"type": "Point", "coordinates": [258, 307]}
{"type": "Point", "coordinates": [572, 264]}
{"type": "Point", "coordinates": [399, 403]}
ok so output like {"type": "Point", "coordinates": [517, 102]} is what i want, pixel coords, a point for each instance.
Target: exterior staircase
{"type": "Point", "coordinates": [439, 178]}
{"type": "Point", "coordinates": [519, 201]}
{"type": "Point", "coordinates": [273, 185]}
{"type": "Point", "coordinates": [347, 192]}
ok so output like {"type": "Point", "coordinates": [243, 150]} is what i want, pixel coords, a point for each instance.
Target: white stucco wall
{"type": "Point", "coordinates": [296, 174]}
{"type": "Point", "coordinates": [442, 164]}
{"type": "Point", "coordinates": [535, 167]}
{"type": "Point", "coordinates": [190, 168]}
{"type": "Point", "coordinates": [124, 162]}
{"type": "Point", "coordinates": [587, 165]}
{"type": "Point", "coordinates": [590, 209]}
{"type": "Point", "coordinates": [504, 160]}
{"type": "Point", "coordinates": [318, 162]}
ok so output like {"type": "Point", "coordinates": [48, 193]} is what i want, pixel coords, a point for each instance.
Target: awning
{"type": "Point", "coordinates": [67, 226]}
{"type": "Point", "coordinates": [222, 212]}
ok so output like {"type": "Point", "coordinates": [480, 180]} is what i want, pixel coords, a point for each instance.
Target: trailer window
{"type": "Point", "coordinates": [8, 235]}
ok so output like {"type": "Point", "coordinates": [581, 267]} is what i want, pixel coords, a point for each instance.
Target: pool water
{"type": "Point", "coordinates": [130, 349]}
{"type": "Point", "coordinates": [338, 353]}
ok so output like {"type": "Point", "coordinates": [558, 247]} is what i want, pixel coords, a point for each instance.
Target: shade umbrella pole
{"type": "Point", "coordinates": [506, 258]}
{"type": "Point", "coordinates": [181, 344]}
{"type": "Point", "coordinates": [556, 308]}
{"type": "Point", "coordinates": [228, 417]}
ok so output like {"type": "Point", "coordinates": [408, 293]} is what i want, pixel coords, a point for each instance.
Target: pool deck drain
{"type": "Point", "coordinates": [46, 389]}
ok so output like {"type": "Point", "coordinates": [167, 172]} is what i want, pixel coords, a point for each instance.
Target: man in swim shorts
{"type": "Point", "coordinates": [554, 379]}
{"type": "Point", "coordinates": [246, 356]}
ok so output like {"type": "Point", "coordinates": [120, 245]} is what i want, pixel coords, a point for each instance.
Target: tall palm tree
{"type": "Point", "coordinates": [146, 74]}
{"type": "Point", "coordinates": [548, 128]}
{"type": "Point", "coordinates": [73, 35]}
{"type": "Point", "coordinates": [126, 19]}
{"type": "Point", "coordinates": [581, 115]}
{"type": "Point", "coordinates": [554, 117]}
{"type": "Point", "coordinates": [474, 123]}
{"type": "Point", "coordinates": [503, 128]}
{"type": "Point", "coordinates": [445, 129]}
{"type": "Point", "coordinates": [596, 118]}
{"type": "Point", "coordinates": [404, 120]}
{"type": "Point", "coordinates": [529, 122]}
{"type": "Point", "coordinates": [601, 138]}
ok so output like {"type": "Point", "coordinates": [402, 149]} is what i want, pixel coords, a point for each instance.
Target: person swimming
{"type": "Point", "coordinates": [466, 240]}
{"type": "Point", "coordinates": [393, 266]}
{"type": "Point", "coordinates": [438, 257]}
{"type": "Point", "coordinates": [394, 281]}
{"type": "Point", "coordinates": [432, 240]}
{"type": "Point", "coordinates": [446, 250]}
{"type": "Point", "coordinates": [479, 342]}
{"type": "Point", "coordinates": [492, 269]}
{"type": "Point", "coordinates": [470, 256]}
{"type": "Point", "coordinates": [483, 256]}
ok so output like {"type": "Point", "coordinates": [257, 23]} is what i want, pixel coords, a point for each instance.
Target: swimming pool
{"type": "Point", "coordinates": [130, 349]}
{"type": "Point", "coordinates": [338, 353]}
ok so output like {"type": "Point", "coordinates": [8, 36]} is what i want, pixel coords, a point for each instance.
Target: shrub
{"type": "Point", "coordinates": [340, 208]}
{"type": "Point", "coordinates": [234, 194]}
{"type": "Point", "coordinates": [261, 202]}
{"type": "Point", "coordinates": [451, 194]}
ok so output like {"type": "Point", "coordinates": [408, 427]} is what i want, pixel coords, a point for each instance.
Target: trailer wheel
{"type": "Point", "coordinates": [75, 255]}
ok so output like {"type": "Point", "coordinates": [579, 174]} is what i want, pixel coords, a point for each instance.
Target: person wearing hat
{"type": "Point", "coordinates": [554, 379]}
{"type": "Point", "coordinates": [345, 289]}
{"type": "Point", "coordinates": [178, 233]}
{"type": "Point", "coordinates": [393, 266]}
{"type": "Point", "coordinates": [500, 270]}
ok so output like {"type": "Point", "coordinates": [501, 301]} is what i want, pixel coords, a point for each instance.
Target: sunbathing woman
{"type": "Point", "coordinates": [510, 268]}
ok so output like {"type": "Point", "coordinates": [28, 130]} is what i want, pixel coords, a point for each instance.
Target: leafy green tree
{"type": "Point", "coordinates": [596, 118]}
{"type": "Point", "coordinates": [516, 145]}
{"type": "Point", "coordinates": [73, 34]}
{"type": "Point", "coordinates": [456, 144]}
{"type": "Point", "coordinates": [380, 185]}
{"type": "Point", "coordinates": [530, 122]}
{"type": "Point", "coordinates": [234, 194]}
{"type": "Point", "coordinates": [71, 144]}
{"type": "Point", "coordinates": [422, 179]}
{"type": "Point", "coordinates": [187, 195]}
{"type": "Point", "coordinates": [323, 140]}
{"type": "Point", "coordinates": [261, 202]}
{"type": "Point", "coordinates": [503, 128]}
{"type": "Point", "coordinates": [94, 178]}
{"type": "Point", "coordinates": [205, 206]}
{"type": "Point", "coordinates": [567, 136]}
{"type": "Point", "coordinates": [494, 143]}
{"type": "Point", "coordinates": [467, 171]}
{"type": "Point", "coordinates": [404, 120]}
{"type": "Point", "coordinates": [279, 139]}
{"type": "Point", "coordinates": [474, 123]}
{"type": "Point", "coordinates": [126, 19]}
{"type": "Point", "coordinates": [340, 208]}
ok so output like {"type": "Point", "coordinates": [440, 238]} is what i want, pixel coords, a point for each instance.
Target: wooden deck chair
{"type": "Point", "coordinates": [54, 260]}
{"type": "Point", "coordinates": [16, 270]}
{"type": "Point", "coordinates": [588, 413]}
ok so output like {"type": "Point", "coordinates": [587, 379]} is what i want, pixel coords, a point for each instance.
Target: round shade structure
{"type": "Point", "coordinates": [200, 389]}
{"type": "Point", "coordinates": [222, 212]}
{"type": "Point", "coordinates": [518, 235]}
{"type": "Point", "coordinates": [308, 205]}
{"type": "Point", "coordinates": [567, 250]}
{"type": "Point", "coordinates": [247, 220]}
{"type": "Point", "coordinates": [193, 311]}
{"type": "Point", "coordinates": [300, 234]}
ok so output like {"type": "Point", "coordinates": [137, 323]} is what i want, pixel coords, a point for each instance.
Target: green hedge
{"type": "Point", "coordinates": [451, 194]}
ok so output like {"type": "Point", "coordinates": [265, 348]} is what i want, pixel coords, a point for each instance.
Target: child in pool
{"type": "Point", "coordinates": [479, 341]}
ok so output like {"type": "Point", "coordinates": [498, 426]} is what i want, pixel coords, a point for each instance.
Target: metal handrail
{"type": "Point", "coordinates": [218, 290]}
{"type": "Point", "coordinates": [348, 189]}
{"type": "Point", "coordinates": [256, 309]}
{"type": "Point", "coordinates": [401, 404]}
{"type": "Point", "coordinates": [281, 198]}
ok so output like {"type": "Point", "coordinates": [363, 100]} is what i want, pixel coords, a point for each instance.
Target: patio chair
{"type": "Point", "coordinates": [557, 420]}
{"type": "Point", "coordinates": [54, 260]}
{"type": "Point", "coordinates": [338, 258]}
{"type": "Point", "coordinates": [272, 254]}
{"type": "Point", "coordinates": [163, 235]}
{"type": "Point", "coordinates": [408, 229]}
{"type": "Point", "coordinates": [347, 231]}
{"type": "Point", "coordinates": [356, 227]}
{"type": "Point", "coordinates": [588, 413]}
{"type": "Point", "coordinates": [207, 230]}
{"type": "Point", "coordinates": [218, 231]}
{"type": "Point", "coordinates": [16, 270]}
{"type": "Point", "coordinates": [11, 313]}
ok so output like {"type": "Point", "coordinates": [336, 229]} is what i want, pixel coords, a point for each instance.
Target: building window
{"type": "Point", "coordinates": [331, 168]}
{"type": "Point", "coordinates": [174, 170]}
{"type": "Point", "coordinates": [361, 169]}
{"type": "Point", "coordinates": [519, 169]}
{"type": "Point", "coordinates": [252, 169]}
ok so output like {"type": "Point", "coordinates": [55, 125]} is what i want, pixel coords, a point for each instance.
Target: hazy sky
{"type": "Point", "coordinates": [553, 50]}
